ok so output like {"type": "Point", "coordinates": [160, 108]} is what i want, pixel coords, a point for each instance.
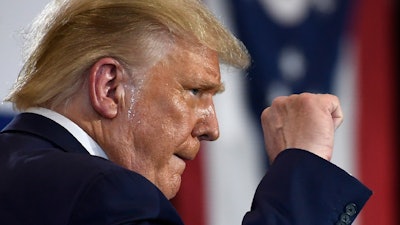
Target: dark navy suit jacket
{"type": "Point", "coordinates": [47, 177]}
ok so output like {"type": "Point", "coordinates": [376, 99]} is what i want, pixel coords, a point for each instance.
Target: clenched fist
{"type": "Point", "coordinates": [305, 121]}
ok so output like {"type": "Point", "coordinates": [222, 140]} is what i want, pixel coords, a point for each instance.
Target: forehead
{"type": "Point", "coordinates": [198, 59]}
{"type": "Point", "coordinates": [192, 64]}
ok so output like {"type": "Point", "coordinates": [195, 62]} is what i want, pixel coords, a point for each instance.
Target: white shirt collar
{"type": "Point", "coordinates": [88, 143]}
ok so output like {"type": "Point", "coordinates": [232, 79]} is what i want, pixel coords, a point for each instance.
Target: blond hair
{"type": "Point", "coordinates": [70, 35]}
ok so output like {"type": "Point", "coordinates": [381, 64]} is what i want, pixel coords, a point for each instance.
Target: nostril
{"type": "Point", "coordinates": [209, 136]}
{"type": "Point", "coordinates": [204, 137]}
{"type": "Point", "coordinates": [206, 128]}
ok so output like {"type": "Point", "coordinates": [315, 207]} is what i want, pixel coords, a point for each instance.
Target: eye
{"type": "Point", "coordinates": [195, 91]}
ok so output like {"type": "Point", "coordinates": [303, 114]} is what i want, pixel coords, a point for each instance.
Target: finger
{"type": "Point", "coordinates": [337, 117]}
{"type": "Point", "coordinates": [336, 111]}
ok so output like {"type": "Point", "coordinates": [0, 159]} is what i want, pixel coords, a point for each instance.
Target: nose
{"type": "Point", "coordinates": [206, 128]}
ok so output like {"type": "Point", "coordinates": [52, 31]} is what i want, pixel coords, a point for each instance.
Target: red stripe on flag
{"type": "Point", "coordinates": [190, 200]}
{"type": "Point", "coordinates": [376, 118]}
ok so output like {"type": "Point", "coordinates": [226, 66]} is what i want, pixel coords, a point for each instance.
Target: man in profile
{"type": "Point", "coordinates": [115, 99]}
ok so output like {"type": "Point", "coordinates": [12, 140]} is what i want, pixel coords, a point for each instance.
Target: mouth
{"type": "Point", "coordinates": [180, 163]}
{"type": "Point", "coordinates": [184, 157]}
{"type": "Point", "coordinates": [188, 154]}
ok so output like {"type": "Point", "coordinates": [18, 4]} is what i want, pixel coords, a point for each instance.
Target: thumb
{"type": "Point", "coordinates": [336, 113]}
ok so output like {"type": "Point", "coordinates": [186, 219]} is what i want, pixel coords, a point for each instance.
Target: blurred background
{"type": "Point", "coordinates": [348, 48]}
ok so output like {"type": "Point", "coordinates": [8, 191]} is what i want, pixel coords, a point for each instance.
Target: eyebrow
{"type": "Point", "coordinates": [221, 88]}
{"type": "Point", "coordinates": [212, 87]}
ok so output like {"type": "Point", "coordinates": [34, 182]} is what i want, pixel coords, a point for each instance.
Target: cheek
{"type": "Point", "coordinates": [153, 137]}
{"type": "Point", "coordinates": [160, 127]}
{"type": "Point", "coordinates": [177, 117]}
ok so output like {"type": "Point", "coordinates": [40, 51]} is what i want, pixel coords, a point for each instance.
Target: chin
{"type": "Point", "coordinates": [170, 194]}
{"type": "Point", "coordinates": [172, 190]}
{"type": "Point", "coordinates": [170, 197]}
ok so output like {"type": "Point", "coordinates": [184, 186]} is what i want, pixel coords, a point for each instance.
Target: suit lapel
{"type": "Point", "coordinates": [46, 129]}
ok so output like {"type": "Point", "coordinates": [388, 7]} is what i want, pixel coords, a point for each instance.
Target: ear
{"type": "Point", "coordinates": [105, 87]}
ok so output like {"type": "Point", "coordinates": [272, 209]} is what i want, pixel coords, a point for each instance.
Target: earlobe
{"type": "Point", "coordinates": [105, 78]}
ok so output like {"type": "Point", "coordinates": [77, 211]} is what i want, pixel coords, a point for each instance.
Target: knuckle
{"type": "Point", "coordinates": [265, 113]}
{"type": "Point", "coordinates": [279, 101]}
{"type": "Point", "coordinates": [307, 99]}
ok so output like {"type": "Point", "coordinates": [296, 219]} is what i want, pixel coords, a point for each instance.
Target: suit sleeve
{"type": "Point", "coordinates": [302, 188]}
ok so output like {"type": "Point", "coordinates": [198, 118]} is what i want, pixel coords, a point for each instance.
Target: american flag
{"type": "Point", "coordinates": [321, 46]}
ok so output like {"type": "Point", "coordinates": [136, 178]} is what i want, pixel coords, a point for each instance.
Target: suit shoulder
{"type": "Point", "coordinates": [116, 195]}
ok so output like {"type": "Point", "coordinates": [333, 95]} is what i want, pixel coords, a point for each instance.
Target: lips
{"type": "Point", "coordinates": [179, 164]}
{"type": "Point", "coordinates": [189, 153]}
{"type": "Point", "coordinates": [185, 157]}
